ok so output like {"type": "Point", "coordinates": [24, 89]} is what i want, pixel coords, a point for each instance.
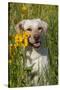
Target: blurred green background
{"type": "Point", "coordinates": [48, 13]}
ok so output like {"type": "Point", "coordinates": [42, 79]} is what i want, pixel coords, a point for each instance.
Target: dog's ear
{"type": "Point", "coordinates": [44, 26]}
{"type": "Point", "coordinates": [20, 26]}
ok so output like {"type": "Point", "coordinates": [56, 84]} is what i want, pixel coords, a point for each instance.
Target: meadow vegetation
{"type": "Point", "coordinates": [17, 73]}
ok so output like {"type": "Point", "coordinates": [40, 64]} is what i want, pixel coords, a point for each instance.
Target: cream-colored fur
{"type": "Point", "coordinates": [37, 58]}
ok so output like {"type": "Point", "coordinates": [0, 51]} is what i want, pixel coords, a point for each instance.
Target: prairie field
{"type": "Point", "coordinates": [17, 73]}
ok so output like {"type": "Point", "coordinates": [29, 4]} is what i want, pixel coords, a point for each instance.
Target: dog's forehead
{"type": "Point", "coordinates": [27, 23]}
{"type": "Point", "coordinates": [31, 24]}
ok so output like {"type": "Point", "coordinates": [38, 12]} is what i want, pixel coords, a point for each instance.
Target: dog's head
{"type": "Point", "coordinates": [35, 27]}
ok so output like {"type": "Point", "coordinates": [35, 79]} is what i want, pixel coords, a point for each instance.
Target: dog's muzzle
{"type": "Point", "coordinates": [36, 44]}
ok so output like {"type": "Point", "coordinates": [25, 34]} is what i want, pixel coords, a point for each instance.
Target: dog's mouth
{"type": "Point", "coordinates": [36, 44]}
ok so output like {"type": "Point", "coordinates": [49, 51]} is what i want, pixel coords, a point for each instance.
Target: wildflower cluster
{"type": "Point", "coordinates": [22, 39]}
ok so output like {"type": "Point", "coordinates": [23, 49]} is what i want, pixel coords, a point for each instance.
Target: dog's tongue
{"type": "Point", "coordinates": [36, 45]}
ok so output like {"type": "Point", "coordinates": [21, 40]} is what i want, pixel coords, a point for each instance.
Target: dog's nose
{"type": "Point", "coordinates": [36, 36]}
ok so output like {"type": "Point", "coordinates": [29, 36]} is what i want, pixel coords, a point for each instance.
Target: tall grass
{"type": "Point", "coordinates": [17, 72]}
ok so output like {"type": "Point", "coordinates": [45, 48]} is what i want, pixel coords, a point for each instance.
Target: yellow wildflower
{"type": "Point", "coordinates": [22, 39]}
{"type": "Point", "coordinates": [24, 9]}
{"type": "Point", "coordinates": [25, 43]}
{"type": "Point", "coordinates": [18, 38]}
{"type": "Point", "coordinates": [26, 34]}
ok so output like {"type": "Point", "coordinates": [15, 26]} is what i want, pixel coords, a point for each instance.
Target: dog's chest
{"type": "Point", "coordinates": [37, 60]}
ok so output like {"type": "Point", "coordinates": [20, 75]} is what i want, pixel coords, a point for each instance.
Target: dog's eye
{"type": "Point", "coordinates": [29, 29]}
{"type": "Point", "coordinates": [39, 28]}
